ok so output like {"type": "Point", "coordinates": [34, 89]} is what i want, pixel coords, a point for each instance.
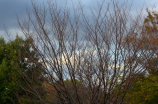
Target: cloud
{"type": "Point", "coordinates": [9, 8]}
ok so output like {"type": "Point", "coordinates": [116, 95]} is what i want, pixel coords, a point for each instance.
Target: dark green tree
{"type": "Point", "coordinates": [17, 73]}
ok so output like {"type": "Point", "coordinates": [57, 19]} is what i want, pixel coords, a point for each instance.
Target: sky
{"type": "Point", "coordinates": [10, 9]}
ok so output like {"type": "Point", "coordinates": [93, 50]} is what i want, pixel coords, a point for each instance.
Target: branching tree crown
{"type": "Point", "coordinates": [94, 53]}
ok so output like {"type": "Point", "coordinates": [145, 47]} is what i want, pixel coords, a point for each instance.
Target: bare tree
{"type": "Point", "coordinates": [88, 59]}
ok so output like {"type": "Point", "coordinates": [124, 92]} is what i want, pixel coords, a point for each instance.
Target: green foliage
{"type": "Point", "coordinates": [144, 90]}
{"type": "Point", "coordinates": [6, 72]}
{"type": "Point", "coordinates": [12, 65]}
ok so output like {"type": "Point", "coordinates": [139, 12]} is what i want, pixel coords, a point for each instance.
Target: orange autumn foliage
{"type": "Point", "coordinates": [147, 39]}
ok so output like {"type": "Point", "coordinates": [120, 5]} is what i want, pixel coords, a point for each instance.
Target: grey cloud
{"type": "Point", "coordinates": [9, 8]}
